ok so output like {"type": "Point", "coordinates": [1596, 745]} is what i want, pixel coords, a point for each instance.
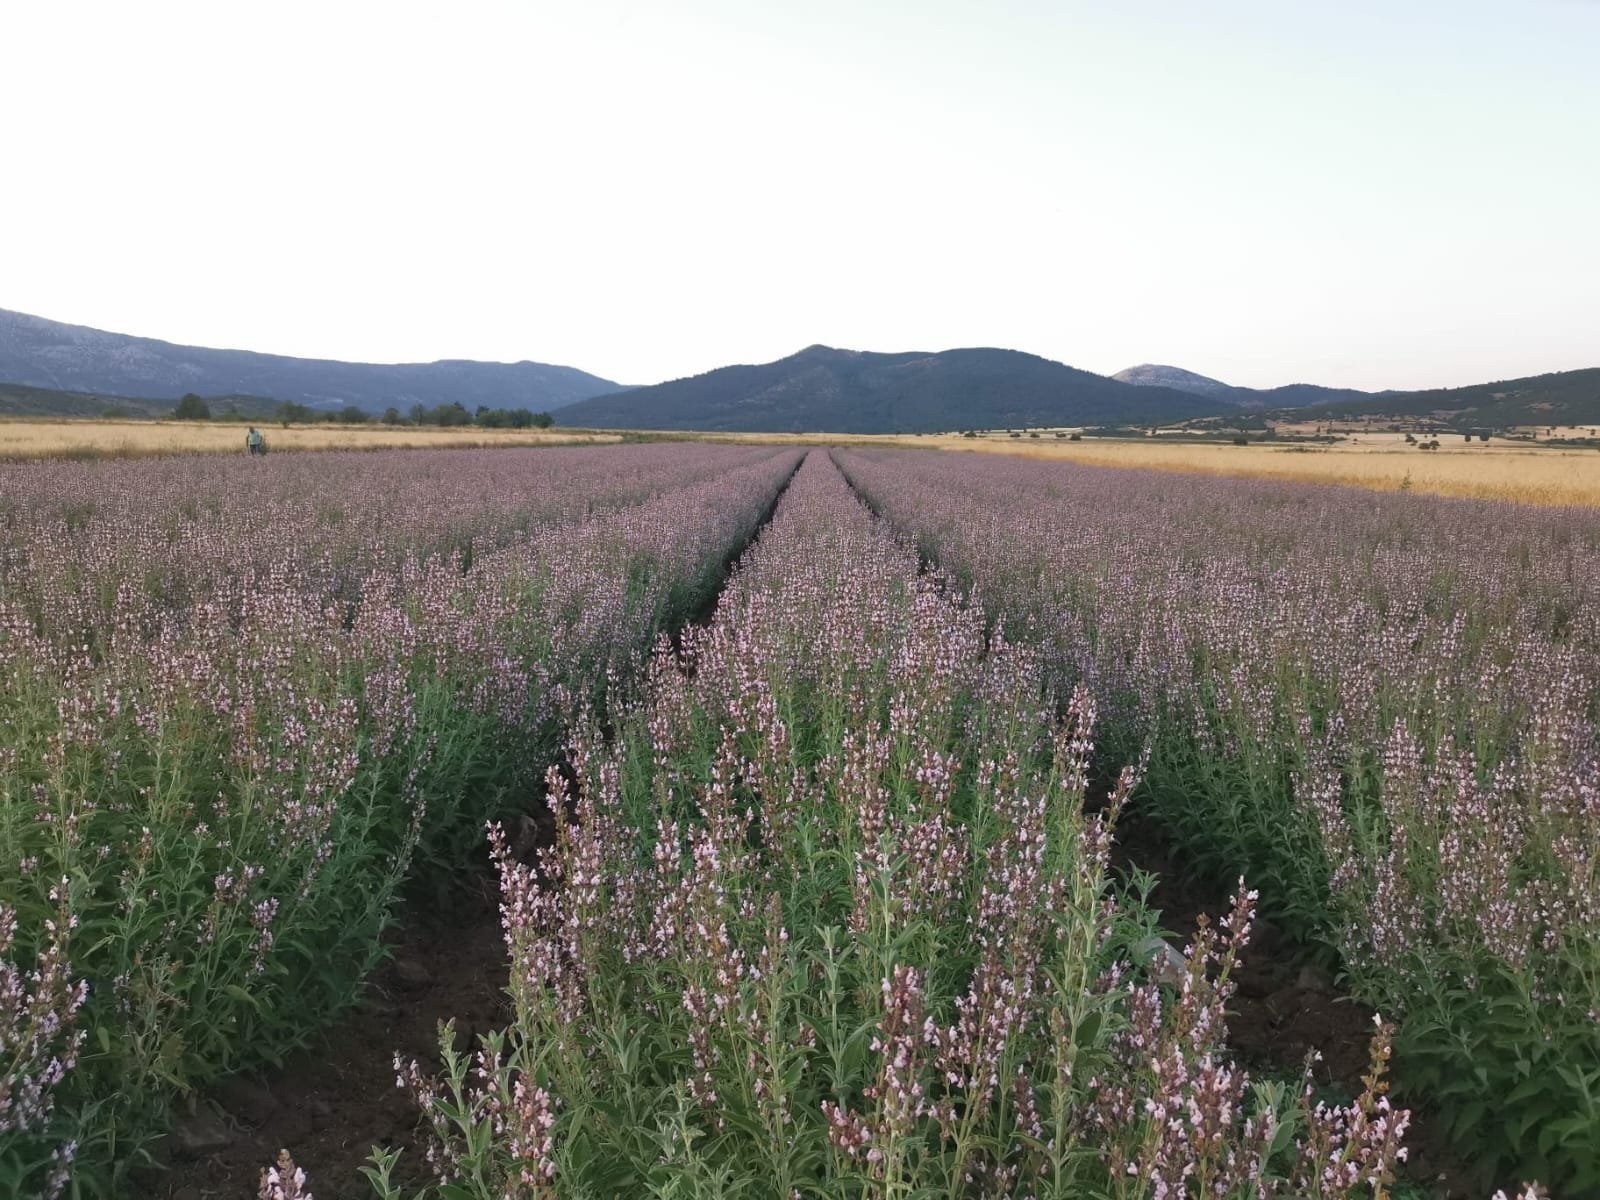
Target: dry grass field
{"type": "Point", "coordinates": [1504, 472]}
{"type": "Point", "coordinates": [40, 438]}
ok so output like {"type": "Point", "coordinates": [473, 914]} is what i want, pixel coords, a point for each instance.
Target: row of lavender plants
{"type": "Point", "coordinates": [243, 702]}
{"type": "Point", "coordinates": [1381, 707]}
{"type": "Point", "coordinates": [199, 530]}
{"type": "Point", "coordinates": [825, 916]}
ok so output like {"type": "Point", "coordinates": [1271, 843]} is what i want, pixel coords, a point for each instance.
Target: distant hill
{"type": "Point", "coordinates": [1299, 395]}
{"type": "Point", "coordinates": [1293, 395]}
{"type": "Point", "coordinates": [822, 389]}
{"type": "Point", "coordinates": [1156, 375]}
{"type": "Point", "coordinates": [50, 368]}
{"type": "Point", "coordinates": [1560, 398]}
{"type": "Point", "coordinates": [74, 358]}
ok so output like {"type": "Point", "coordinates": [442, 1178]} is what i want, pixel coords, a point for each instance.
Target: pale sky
{"type": "Point", "coordinates": [1377, 193]}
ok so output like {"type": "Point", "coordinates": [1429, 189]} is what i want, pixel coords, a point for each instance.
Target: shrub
{"type": "Point", "coordinates": [192, 408]}
{"type": "Point", "coordinates": [289, 412]}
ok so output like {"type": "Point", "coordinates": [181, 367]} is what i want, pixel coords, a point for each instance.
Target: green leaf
{"type": "Point", "coordinates": [240, 994]}
{"type": "Point", "coordinates": [1466, 1118]}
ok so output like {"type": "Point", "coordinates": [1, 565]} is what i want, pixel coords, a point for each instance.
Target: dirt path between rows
{"type": "Point", "coordinates": [1286, 1008]}
{"type": "Point", "coordinates": [335, 1101]}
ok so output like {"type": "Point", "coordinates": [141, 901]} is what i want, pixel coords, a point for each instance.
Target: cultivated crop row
{"type": "Point", "coordinates": [1381, 709]}
{"type": "Point", "coordinates": [825, 916]}
{"type": "Point", "coordinates": [824, 912]}
{"type": "Point", "coordinates": [241, 702]}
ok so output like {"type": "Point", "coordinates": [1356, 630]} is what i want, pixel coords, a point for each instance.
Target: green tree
{"type": "Point", "coordinates": [192, 408]}
{"type": "Point", "coordinates": [391, 416]}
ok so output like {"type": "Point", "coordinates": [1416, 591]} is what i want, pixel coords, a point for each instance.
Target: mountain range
{"type": "Point", "coordinates": [1558, 398]}
{"type": "Point", "coordinates": [854, 391]}
{"type": "Point", "coordinates": [825, 390]}
{"type": "Point", "coordinates": [38, 353]}
{"type": "Point", "coordinates": [50, 367]}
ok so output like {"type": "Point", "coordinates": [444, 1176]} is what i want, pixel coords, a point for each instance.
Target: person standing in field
{"type": "Point", "coordinates": [254, 442]}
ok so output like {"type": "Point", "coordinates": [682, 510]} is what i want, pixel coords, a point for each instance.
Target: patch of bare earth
{"type": "Point", "coordinates": [1285, 1010]}
{"type": "Point", "coordinates": [331, 1104]}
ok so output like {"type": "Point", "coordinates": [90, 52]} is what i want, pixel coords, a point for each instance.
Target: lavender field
{"type": "Point", "coordinates": [832, 895]}
{"type": "Point", "coordinates": [242, 707]}
{"type": "Point", "coordinates": [1380, 709]}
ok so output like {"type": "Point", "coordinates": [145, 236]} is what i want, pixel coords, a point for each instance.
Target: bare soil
{"type": "Point", "coordinates": [338, 1099]}
{"type": "Point", "coordinates": [1286, 1008]}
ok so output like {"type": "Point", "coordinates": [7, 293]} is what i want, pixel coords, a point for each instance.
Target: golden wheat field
{"type": "Point", "coordinates": [1486, 472]}
{"type": "Point", "coordinates": [40, 438]}
{"type": "Point", "coordinates": [1528, 476]}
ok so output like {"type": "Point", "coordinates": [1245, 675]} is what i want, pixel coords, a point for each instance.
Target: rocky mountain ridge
{"type": "Point", "coordinates": [41, 353]}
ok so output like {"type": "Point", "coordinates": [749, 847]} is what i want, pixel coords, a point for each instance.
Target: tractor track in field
{"type": "Point", "coordinates": [333, 1102]}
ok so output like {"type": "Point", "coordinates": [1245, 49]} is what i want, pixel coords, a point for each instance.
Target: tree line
{"type": "Point", "coordinates": [194, 408]}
